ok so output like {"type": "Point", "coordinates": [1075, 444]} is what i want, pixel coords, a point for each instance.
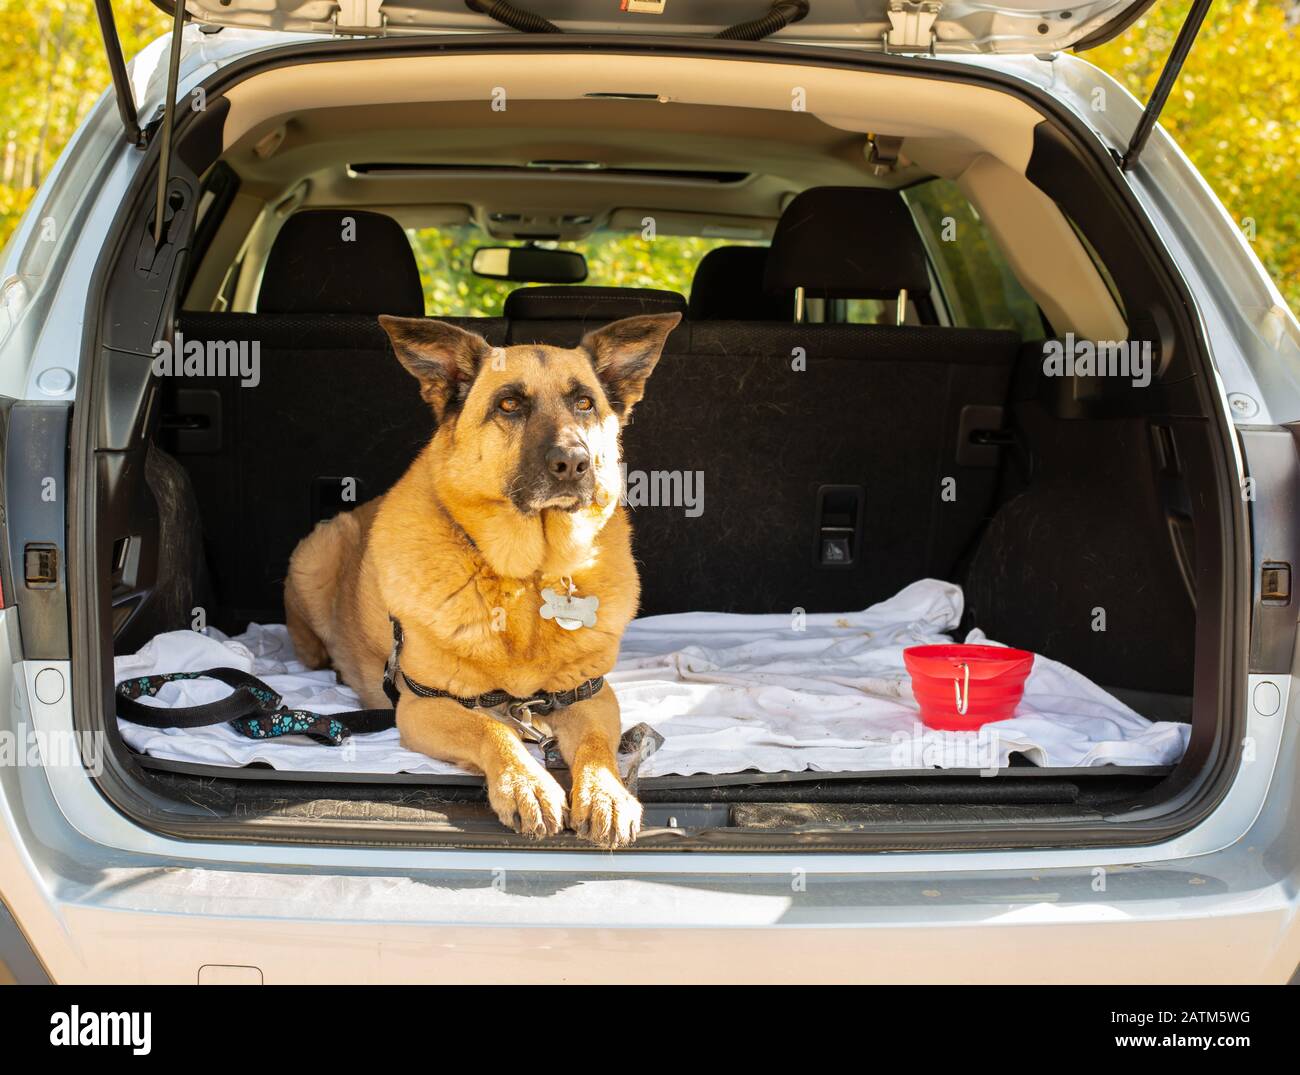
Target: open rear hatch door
{"type": "Point", "coordinates": [939, 26]}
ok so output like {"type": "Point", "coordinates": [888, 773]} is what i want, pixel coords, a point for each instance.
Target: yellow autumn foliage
{"type": "Point", "coordinates": [1235, 111]}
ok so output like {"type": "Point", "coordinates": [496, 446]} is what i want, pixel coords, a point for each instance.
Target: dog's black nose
{"type": "Point", "coordinates": [567, 464]}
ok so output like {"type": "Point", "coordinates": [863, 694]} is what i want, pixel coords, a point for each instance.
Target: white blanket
{"type": "Point", "coordinates": [729, 693]}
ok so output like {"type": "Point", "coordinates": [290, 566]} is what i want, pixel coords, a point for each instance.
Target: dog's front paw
{"type": "Point", "coordinates": [526, 798]}
{"type": "Point", "coordinates": [602, 810]}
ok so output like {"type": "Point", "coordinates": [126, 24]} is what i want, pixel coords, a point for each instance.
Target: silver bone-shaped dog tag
{"type": "Point", "coordinates": [569, 611]}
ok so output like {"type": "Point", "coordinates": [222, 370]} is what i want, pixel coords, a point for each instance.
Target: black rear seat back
{"type": "Point", "coordinates": [728, 414]}
{"type": "Point", "coordinates": [332, 401]}
{"type": "Point", "coordinates": [877, 407]}
{"type": "Point", "coordinates": [775, 416]}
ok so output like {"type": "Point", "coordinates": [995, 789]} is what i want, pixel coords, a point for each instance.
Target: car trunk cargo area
{"type": "Point", "coordinates": [943, 478]}
{"type": "Point", "coordinates": [1073, 538]}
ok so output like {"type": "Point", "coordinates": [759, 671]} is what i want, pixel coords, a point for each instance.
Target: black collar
{"type": "Point", "coordinates": [541, 702]}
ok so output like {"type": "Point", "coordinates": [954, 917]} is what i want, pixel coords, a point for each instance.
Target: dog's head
{"type": "Point", "coordinates": [532, 425]}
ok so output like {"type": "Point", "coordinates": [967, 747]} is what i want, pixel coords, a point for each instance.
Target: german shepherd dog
{"type": "Point", "coordinates": [515, 499]}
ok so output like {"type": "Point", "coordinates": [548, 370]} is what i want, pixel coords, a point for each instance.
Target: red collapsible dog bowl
{"type": "Point", "coordinates": [961, 688]}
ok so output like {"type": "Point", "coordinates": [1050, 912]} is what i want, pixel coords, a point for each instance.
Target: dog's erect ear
{"type": "Point", "coordinates": [442, 357]}
{"type": "Point", "coordinates": [624, 354]}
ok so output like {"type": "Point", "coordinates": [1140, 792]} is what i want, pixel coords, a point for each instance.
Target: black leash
{"type": "Point", "coordinates": [255, 710]}
{"type": "Point", "coordinates": [252, 709]}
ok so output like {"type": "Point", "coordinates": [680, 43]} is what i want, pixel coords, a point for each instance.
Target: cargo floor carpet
{"type": "Point", "coordinates": [728, 693]}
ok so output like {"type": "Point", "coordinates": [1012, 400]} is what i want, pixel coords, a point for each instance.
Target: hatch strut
{"type": "Point", "coordinates": [169, 119]}
{"type": "Point", "coordinates": [1165, 83]}
{"type": "Point", "coordinates": [126, 99]}
{"type": "Point", "coordinates": [117, 68]}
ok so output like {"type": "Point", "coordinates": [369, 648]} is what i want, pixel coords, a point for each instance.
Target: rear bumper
{"type": "Point", "coordinates": [1174, 924]}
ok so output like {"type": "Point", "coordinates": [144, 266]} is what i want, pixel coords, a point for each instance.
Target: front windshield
{"type": "Point", "coordinates": [614, 259]}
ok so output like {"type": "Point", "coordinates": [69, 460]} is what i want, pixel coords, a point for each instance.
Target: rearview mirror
{"type": "Point", "coordinates": [529, 264]}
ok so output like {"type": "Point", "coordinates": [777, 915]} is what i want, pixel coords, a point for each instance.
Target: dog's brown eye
{"type": "Point", "coordinates": [585, 403]}
{"type": "Point", "coordinates": [510, 404]}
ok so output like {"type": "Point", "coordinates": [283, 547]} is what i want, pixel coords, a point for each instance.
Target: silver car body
{"type": "Point", "coordinates": [101, 899]}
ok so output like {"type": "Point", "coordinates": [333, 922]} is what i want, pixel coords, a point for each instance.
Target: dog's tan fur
{"type": "Point", "coordinates": [449, 554]}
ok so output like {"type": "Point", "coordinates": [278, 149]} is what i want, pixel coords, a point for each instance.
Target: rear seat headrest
{"type": "Point", "coordinates": [341, 261]}
{"type": "Point", "coordinates": [568, 303]}
{"type": "Point", "coordinates": [728, 286]}
{"type": "Point", "coordinates": [847, 243]}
